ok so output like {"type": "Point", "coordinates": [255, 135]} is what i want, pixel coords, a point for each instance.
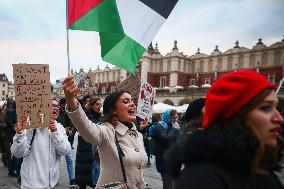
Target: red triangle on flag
{"type": "Point", "coordinates": [78, 8]}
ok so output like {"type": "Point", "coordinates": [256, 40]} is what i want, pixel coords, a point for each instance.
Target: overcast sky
{"type": "Point", "coordinates": [33, 31]}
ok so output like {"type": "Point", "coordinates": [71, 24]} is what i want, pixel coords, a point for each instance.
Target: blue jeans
{"type": "Point", "coordinates": [95, 172]}
{"type": "Point", "coordinates": [70, 167]}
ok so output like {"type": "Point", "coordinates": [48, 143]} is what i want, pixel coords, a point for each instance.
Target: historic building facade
{"type": "Point", "coordinates": [3, 87]}
{"type": "Point", "coordinates": [175, 69]}
{"type": "Point", "coordinates": [178, 77]}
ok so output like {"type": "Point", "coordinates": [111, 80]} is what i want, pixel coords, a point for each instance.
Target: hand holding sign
{"type": "Point", "coordinates": [52, 127]}
{"type": "Point", "coordinates": [19, 128]}
{"type": "Point", "coordinates": [144, 124]}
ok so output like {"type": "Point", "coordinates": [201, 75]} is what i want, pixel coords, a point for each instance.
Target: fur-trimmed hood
{"type": "Point", "coordinates": [229, 147]}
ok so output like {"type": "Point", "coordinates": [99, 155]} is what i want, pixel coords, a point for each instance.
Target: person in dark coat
{"type": "Point", "coordinates": [239, 144]}
{"type": "Point", "coordinates": [11, 120]}
{"type": "Point", "coordinates": [156, 117]}
{"type": "Point", "coordinates": [84, 156]}
{"type": "Point", "coordinates": [164, 135]}
{"type": "Point", "coordinates": [143, 127]}
{"type": "Point", "coordinates": [65, 121]}
{"type": "Point", "coordinates": [6, 155]}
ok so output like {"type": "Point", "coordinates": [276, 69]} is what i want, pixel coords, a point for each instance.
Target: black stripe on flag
{"type": "Point", "coordinates": [163, 7]}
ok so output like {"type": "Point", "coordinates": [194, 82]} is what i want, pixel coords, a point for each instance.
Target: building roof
{"type": "Point", "coordinates": [236, 50]}
{"type": "Point", "coordinates": [277, 44]}
{"type": "Point", "coordinates": [3, 78]}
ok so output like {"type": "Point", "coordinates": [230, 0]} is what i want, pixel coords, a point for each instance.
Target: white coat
{"type": "Point", "coordinates": [40, 167]}
{"type": "Point", "coordinates": [130, 140]}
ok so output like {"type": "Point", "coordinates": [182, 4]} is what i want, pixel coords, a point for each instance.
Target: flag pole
{"type": "Point", "coordinates": [280, 84]}
{"type": "Point", "coordinates": [67, 36]}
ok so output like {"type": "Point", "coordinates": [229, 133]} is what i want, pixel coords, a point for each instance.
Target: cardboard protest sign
{"type": "Point", "coordinates": [33, 94]}
{"type": "Point", "coordinates": [146, 101]}
{"type": "Point", "coordinates": [131, 84]}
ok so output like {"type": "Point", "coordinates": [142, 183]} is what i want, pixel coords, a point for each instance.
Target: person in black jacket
{"type": "Point", "coordinates": [164, 135]}
{"type": "Point", "coordinates": [11, 120]}
{"type": "Point", "coordinates": [143, 127]}
{"type": "Point", "coordinates": [84, 156]}
{"type": "Point", "coordinates": [239, 144]}
{"type": "Point", "coordinates": [65, 121]}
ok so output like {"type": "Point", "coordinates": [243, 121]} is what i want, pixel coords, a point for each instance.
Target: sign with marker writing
{"type": "Point", "coordinates": [33, 94]}
{"type": "Point", "coordinates": [146, 101]}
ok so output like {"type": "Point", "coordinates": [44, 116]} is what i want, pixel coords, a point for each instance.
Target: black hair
{"type": "Point", "coordinates": [109, 104]}
{"type": "Point", "coordinates": [11, 104]}
{"type": "Point", "coordinates": [62, 101]}
{"type": "Point", "coordinates": [194, 110]}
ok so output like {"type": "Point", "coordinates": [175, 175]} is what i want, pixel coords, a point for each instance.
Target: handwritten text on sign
{"type": "Point", "coordinates": [146, 101]}
{"type": "Point", "coordinates": [33, 94]}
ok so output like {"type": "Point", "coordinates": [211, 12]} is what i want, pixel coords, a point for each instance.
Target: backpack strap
{"type": "Point", "coordinates": [34, 132]}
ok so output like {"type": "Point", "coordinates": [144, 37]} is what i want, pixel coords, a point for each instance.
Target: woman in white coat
{"type": "Point", "coordinates": [118, 122]}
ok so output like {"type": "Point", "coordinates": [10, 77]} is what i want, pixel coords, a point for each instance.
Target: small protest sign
{"type": "Point", "coordinates": [33, 94]}
{"type": "Point", "coordinates": [146, 101]}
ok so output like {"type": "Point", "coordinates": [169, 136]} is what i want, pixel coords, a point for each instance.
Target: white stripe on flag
{"type": "Point", "coordinates": [140, 22]}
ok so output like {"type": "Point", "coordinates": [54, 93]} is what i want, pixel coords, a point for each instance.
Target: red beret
{"type": "Point", "coordinates": [230, 93]}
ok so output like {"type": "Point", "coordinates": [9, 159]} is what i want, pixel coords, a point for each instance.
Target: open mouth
{"type": "Point", "coordinates": [55, 112]}
{"type": "Point", "coordinates": [131, 112]}
{"type": "Point", "coordinates": [275, 132]}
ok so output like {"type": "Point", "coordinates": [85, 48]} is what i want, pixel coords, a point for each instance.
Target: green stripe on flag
{"type": "Point", "coordinates": [102, 18]}
{"type": "Point", "coordinates": [116, 47]}
{"type": "Point", "coordinates": [120, 50]}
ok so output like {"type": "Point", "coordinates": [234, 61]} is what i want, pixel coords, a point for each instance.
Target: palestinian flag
{"type": "Point", "coordinates": [126, 27]}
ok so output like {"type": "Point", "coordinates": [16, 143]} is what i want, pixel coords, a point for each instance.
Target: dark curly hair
{"type": "Point", "coordinates": [109, 104]}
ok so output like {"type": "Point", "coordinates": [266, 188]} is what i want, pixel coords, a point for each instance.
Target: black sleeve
{"type": "Point", "coordinates": [138, 123]}
{"type": "Point", "coordinates": [11, 118]}
{"type": "Point", "coordinates": [145, 130]}
{"type": "Point", "coordinates": [162, 135]}
{"type": "Point", "coordinates": [88, 114]}
{"type": "Point", "coordinates": [200, 177]}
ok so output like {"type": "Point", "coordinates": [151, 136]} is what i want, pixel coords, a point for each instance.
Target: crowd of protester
{"type": "Point", "coordinates": [233, 138]}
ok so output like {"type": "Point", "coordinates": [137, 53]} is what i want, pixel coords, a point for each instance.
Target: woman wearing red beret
{"type": "Point", "coordinates": [238, 147]}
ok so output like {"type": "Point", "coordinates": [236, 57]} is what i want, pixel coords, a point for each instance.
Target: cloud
{"type": "Point", "coordinates": [204, 24]}
{"type": "Point", "coordinates": [84, 53]}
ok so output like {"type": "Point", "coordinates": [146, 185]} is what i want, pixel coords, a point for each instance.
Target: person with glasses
{"type": "Point", "coordinates": [41, 149]}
